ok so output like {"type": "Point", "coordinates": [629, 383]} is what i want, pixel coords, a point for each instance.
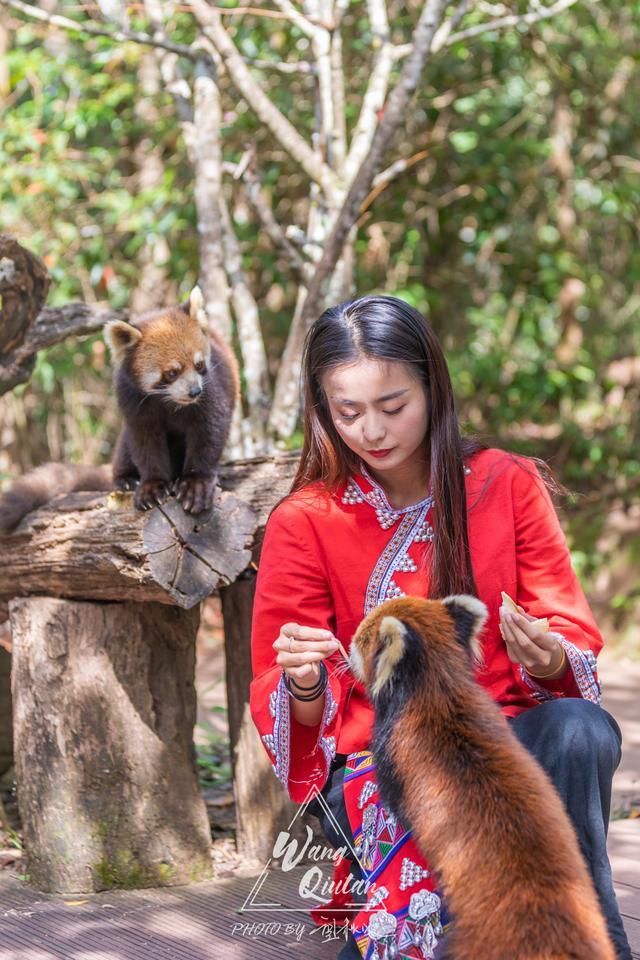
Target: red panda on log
{"type": "Point", "coordinates": [176, 384]}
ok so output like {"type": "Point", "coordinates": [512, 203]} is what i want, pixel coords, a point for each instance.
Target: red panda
{"type": "Point", "coordinates": [176, 383]}
{"type": "Point", "coordinates": [482, 810]}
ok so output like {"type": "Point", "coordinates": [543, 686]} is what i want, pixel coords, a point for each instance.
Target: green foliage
{"type": "Point", "coordinates": [517, 234]}
{"type": "Point", "coordinates": [212, 758]}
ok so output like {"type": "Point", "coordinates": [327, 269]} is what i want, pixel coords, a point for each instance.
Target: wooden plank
{"type": "Point", "coordinates": [199, 922]}
{"type": "Point", "coordinates": [624, 851]}
{"type": "Point", "coordinates": [628, 900]}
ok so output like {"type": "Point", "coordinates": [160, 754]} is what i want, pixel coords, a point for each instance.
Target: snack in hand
{"type": "Point", "coordinates": [511, 605]}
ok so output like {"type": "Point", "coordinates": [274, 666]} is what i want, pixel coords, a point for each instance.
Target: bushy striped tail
{"type": "Point", "coordinates": [49, 480]}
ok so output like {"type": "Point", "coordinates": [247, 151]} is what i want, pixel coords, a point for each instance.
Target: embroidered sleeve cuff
{"type": "Point", "coordinates": [301, 755]}
{"type": "Point", "coordinates": [580, 679]}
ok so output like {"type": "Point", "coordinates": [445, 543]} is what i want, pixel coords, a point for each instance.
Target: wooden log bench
{"type": "Point", "coordinates": [104, 608]}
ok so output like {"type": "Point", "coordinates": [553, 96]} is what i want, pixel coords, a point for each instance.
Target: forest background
{"type": "Point", "coordinates": [508, 213]}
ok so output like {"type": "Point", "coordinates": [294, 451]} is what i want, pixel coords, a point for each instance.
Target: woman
{"type": "Point", "coordinates": [389, 500]}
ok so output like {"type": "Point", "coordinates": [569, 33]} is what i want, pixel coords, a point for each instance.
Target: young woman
{"type": "Point", "coordinates": [390, 500]}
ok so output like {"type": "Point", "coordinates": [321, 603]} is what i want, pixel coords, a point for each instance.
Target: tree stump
{"type": "Point", "coordinates": [104, 709]}
{"type": "Point", "coordinates": [95, 547]}
{"type": "Point", "coordinates": [262, 806]}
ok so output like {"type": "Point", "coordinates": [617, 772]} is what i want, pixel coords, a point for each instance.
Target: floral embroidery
{"type": "Point", "coordinates": [278, 743]}
{"type": "Point", "coordinates": [381, 894]}
{"type": "Point", "coordinates": [583, 667]}
{"type": "Point", "coordinates": [413, 528]}
{"type": "Point", "coordinates": [366, 793]}
{"type": "Point", "coordinates": [382, 932]}
{"type": "Point", "coordinates": [423, 926]}
{"type": "Point", "coordinates": [381, 584]}
{"type": "Point", "coordinates": [412, 873]}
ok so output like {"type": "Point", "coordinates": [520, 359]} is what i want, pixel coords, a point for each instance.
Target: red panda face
{"type": "Point", "coordinates": [168, 351]}
{"type": "Point", "coordinates": [381, 640]}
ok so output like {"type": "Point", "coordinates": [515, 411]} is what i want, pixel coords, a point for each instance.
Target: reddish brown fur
{"type": "Point", "coordinates": [172, 336]}
{"type": "Point", "coordinates": [488, 820]}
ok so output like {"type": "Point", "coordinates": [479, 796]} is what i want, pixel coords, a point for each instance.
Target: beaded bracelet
{"type": "Point", "coordinates": [310, 693]}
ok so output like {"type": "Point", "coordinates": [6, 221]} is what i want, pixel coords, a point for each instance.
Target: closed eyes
{"type": "Point", "coordinates": [389, 413]}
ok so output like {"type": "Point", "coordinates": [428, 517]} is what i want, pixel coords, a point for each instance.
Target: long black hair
{"type": "Point", "coordinates": [386, 328]}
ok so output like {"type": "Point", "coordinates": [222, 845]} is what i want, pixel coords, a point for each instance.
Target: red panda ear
{"type": "Point", "coordinates": [120, 338]}
{"type": "Point", "coordinates": [469, 617]}
{"type": "Point", "coordinates": [391, 634]}
{"type": "Point", "coordinates": [196, 309]}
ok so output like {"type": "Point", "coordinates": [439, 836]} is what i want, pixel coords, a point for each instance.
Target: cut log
{"type": "Point", "coordinates": [104, 709]}
{"type": "Point", "coordinates": [90, 546]}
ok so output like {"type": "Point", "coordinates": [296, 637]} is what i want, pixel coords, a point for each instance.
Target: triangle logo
{"type": "Point", "coordinates": [310, 866]}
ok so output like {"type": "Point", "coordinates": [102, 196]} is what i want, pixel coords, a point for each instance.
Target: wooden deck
{"type": "Point", "coordinates": [207, 921]}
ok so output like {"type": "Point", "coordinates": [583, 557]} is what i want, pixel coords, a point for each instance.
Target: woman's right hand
{"type": "Point", "coordinates": [300, 649]}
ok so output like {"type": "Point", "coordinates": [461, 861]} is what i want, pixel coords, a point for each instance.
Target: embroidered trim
{"type": "Point", "coordinates": [583, 667]}
{"type": "Point", "coordinates": [381, 585]}
{"type": "Point", "coordinates": [278, 743]}
{"type": "Point", "coordinates": [413, 528]}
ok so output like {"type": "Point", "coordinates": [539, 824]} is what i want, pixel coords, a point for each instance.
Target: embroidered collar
{"type": "Point", "coordinates": [377, 498]}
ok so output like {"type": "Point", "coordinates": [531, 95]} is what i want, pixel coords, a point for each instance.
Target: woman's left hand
{"type": "Point", "coordinates": [537, 650]}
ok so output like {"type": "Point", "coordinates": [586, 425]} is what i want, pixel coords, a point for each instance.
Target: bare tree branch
{"type": "Point", "coordinates": [376, 92]}
{"type": "Point", "coordinates": [268, 113]}
{"type": "Point", "coordinates": [445, 30]}
{"type": "Point", "coordinates": [383, 179]}
{"type": "Point", "coordinates": [512, 20]}
{"type": "Point", "coordinates": [307, 24]}
{"type": "Point", "coordinates": [119, 36]}
{"type": "Point", "coordinates": [321, 46]}
{"type": "Point", "coordinates": [247, 172]}
{"type": "Point", "coordinates": [254, 357]}
{"type": "Point", "coordinates": [500, 23]}
{"type": "Point", "coordinates": [299, 66]}
{"type": "Point", "coordinates": [396, 106]}
{"type": "Point", "coordinates": [338, 93]}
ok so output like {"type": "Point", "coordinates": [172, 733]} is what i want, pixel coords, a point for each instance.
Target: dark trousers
{"type": "Point", "coordinates": [578, 744]}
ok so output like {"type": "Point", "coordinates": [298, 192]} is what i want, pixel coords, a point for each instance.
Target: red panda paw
{"type": "Point", "coordinates": [195, 493]}
{"type": "Point", "coordinates": [125, 484]}
{"type": "Point", "coordinates": [150, 493]}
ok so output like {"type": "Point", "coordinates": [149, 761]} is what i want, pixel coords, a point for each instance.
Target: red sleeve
{"type": "Point", "coordinates": [548, 587]}
{"type": "Point", "coordinates": [291, 586]}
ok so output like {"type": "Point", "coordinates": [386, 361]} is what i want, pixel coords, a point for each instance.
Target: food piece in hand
{"type": "Point", "coordinates": [511, 605]}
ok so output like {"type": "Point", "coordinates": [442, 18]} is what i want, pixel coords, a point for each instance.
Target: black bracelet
{"type": "Point", "coordinates": [310, 693]}
{"type": "Point", "coordinates": [299, 686]}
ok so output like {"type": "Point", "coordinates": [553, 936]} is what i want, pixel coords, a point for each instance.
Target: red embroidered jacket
{"type": "Point", "coordinates": [328, 558]}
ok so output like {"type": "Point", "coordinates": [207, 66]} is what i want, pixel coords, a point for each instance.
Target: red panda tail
{"type": "Point", "coordinates": [39, 486]}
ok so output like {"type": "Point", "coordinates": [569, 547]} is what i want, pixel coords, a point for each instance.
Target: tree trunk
{"type": "Point", "coordinates": [6, 734]}
{"type": "Point", "coordinates": [262, 806]}
{"type": "Point", "coordinates": [104, 709]}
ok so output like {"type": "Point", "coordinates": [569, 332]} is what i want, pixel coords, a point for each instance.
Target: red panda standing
{"type": "Point", "coordinates": [176, 384]}
{"type": "Point", "coordinates": [482, 810]}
